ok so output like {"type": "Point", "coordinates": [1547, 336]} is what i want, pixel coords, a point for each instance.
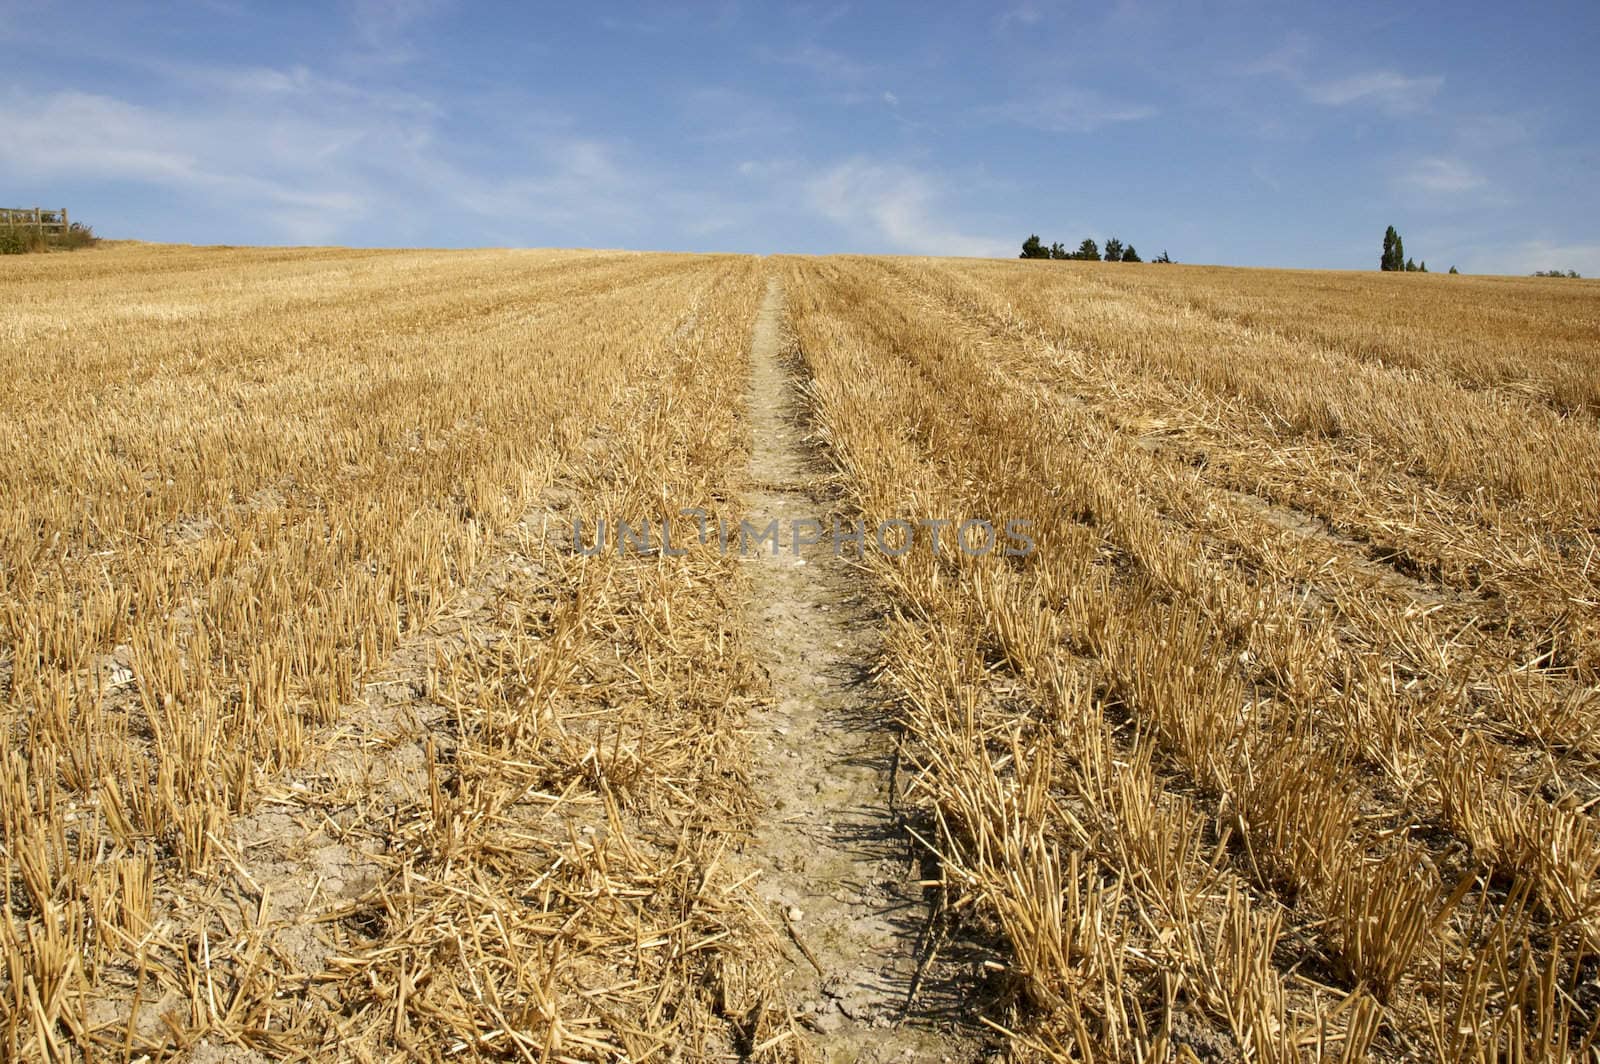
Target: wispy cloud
{"type": "Point", "coordinates": [1388, 90]}
{"type": "Point", "coordinates": [1024, 14]}
{"type": "Point", "coordinates": [576, 180]}
{"type": "Point", "coordinates": [718, 115]}
{"type": "Point", "coordinates": [296, 85]}
{"type": "Point", "coordinates": [1288, 60]}
{"type": "Point", "coordinates": [1066, 110]}
{"type": "Point", "coordinates": [1496, 132]}
{"type": "Point", "coordinates": [765, 169]}
{"type": "Point", "coordinates": [84, 135]}
{"type": "Point", "coordinates": [1441, 176]}
{"type": "Point", "coordinates": [900, 205]}
{"type": "Point", "coordinates": [216, 159]}
{"type": "Point", "coordinates": [316, 161]}
{"type": "Point", "coordinates": [831, 67]}
{"type": "Point", "coordinates": [384, 29]}
{"type": "Point", "coordinates": [1391, 91]}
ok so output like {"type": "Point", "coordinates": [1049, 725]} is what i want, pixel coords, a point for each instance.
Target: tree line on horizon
{"type": "Point", "coordinates": [1394, 256]}
{"type": "Point", "coordinates": [1394, 259]}
{"type": "Point", "coordinates": [1088, 251]}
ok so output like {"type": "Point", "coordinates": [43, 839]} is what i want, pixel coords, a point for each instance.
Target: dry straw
{"type": "Point", "coordinates": [1270, 677]}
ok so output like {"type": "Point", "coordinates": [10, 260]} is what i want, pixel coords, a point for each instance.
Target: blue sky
{"type": "Point", "coordinates": [1230, 132]}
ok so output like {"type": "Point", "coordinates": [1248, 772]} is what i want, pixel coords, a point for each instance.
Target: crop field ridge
{"type": "Point", "coordinates": [836, 863]}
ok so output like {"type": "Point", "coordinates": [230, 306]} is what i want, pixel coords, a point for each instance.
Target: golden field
{"type": "Point", "coordinates": [324, 743]}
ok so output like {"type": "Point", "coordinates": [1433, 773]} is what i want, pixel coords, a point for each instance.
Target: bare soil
{"type": "Point", "coordinates": [836, 865]}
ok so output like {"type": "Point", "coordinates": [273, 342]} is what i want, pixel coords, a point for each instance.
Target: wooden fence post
{"type": "Point", "coordinates": [39, 219]}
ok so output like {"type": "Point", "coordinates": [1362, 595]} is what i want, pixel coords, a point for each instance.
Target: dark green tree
{"type": "Point", "coordinates": [1394, 251]}
{"type": "Point", "coordinates": [1059, 252]}
{"type": "Point", "coordinates": [1422, 267]}
{"type": "Point", "coordinates": [1130, 255]}
{"type": "Point", "coordinates": [1113, 250]}
{"type": "Point", "coordinates": [1411, 266]}
{"type": "Point", "coordinates": [1088, 250]}
{"type": "Point", "coordinates": [1163, 257]}
{"type": "Point", "coordinates": [1032, 249]}
{"type": "Point", "coordinates": [1454, 270]}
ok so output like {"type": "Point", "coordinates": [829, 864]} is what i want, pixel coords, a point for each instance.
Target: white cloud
{"type": "Point", "coordinates": [765, 169]}
{"type": "Point", "coordinates": [1289, 60]}
{"type": "Point", "coordinates": [579, 181]}
{"type": "Point", "coordinates": [1495, 132]}
{"type": "Point", "coordinates": [311, 160]}
{"type": "Point", "coordinates": [1066, 111]}
{"type": "Point", "coordinates": [1025, 14]}
{"type": "Point", "coordinates": [1388, 90]}
{"type": "Point", "coordinates": [898, 204]}
{"type": "Point", "coordinates": [1441, 176]}
{"type": "Point", "coordinates": [385, 28]}
{"type": "Point", "coordinates": [829, 66]}
{"type": "Point", "coordinates": [296, 86]}
{"type": "Point", "coordinates": [1391, 91]}
{"type": "Point", "coordinates": [73, 134]}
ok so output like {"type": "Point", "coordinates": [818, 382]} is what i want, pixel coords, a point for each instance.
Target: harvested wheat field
{"type": "Point", "coordinates": [1226, 686]}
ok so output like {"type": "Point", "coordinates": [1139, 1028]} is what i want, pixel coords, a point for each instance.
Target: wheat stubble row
{"type": "Point", "coordinates": [246, 481]}
{"type": "Point", "coordinates": [1253, 686]}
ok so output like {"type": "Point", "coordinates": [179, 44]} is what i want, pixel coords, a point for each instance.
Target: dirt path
{"type": "Point", "coordinates": [834, 863]}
